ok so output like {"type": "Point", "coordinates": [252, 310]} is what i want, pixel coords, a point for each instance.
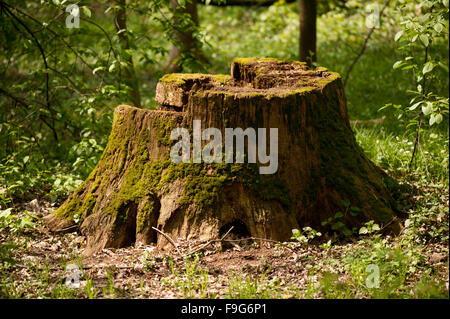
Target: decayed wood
{"type": "Point", "coordinates": [136, 188]}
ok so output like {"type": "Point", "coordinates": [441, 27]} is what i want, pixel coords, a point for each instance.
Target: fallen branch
{"type": "Point", "coordinates": [211, 241]}
{"type": "Point", "coordinates": [170, 240]}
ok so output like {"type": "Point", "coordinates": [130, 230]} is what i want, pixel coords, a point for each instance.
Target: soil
{"type": "Point", "coordinates": [285, 265]}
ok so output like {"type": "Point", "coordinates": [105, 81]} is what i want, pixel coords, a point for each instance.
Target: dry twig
{"type": "Point", "coordinates": [170, 240]}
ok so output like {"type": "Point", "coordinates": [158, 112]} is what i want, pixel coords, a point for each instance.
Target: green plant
{"type": "Point", "coordinates": [109, 290]}
{"type": "Point", "coordinates": [369, 228]}
{"type": "Point", "coordinates": [148, 260]}
{"type": "Point", "coordinates": [62, 291]}
{"type": "Point", "coordinates": [428, 222]}
{"type": "Point", "coordinates": [193, 282]}
{"type": "Point", "coordinates": [90, 290]}
{"type": "Point", "coordinates": [333, 288]}
{"type": "Point", "coordinates": [418, 37]}
{"type": "Point", "coordinates": [337, 222]}
{"type": "Point", "coordinates": [240, 287]}
{"type": "Point", "coordinates": [14, 223]}
{"type": "Point", "coordinates": [306, 235]}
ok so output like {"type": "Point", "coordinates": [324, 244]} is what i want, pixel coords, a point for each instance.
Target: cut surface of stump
{"type": "Point", "coordinates": [324, 180]}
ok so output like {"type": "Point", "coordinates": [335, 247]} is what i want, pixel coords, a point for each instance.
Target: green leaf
{"type": "Point", "coordinates": [354, 211]}
{"type": "Point", "coordinates": [345, 204]}
{"type": "Point", "coordinates": [432, 119]}
{"type": "Point", "coordinates": [5, 213]}
{"type": "Point", "coordinates": [337, 226]}
{"type": "Point", "coordinates": [100, 68]}
{"type": "Point", "coordinates": [398, 35]}
{"type": "Point", "coordinates": [346, 231]}
{"type": "Point", "coordinates": [407, 67]}
{"type": "Point", "coordinates": [424, 39]}
{"type": "Point", "coordinates": [397, 64]}
{"type": "Point", "coordinates": [86, 11]}
{"type": "Point", "coordinates": [414, 106]}
{"type": "Point", "coordinates": [25, 159]}
{"type": "Point", "coordinates": [338, 215]}
{"type": "Point", "coordinates": [428, 67]}
{"type": "Point", "coordinates": [438, 118]}
{"type": "Point", "coordinates": [427, 109]}
{"type": "Point", "coordinates": [363, 230]}
{"type": "Point", "coordinates": [438, 27]}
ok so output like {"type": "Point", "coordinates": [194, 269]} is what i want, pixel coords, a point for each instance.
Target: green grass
{"type": "Point", "coordinates": [393, 151]}
{"type": "Point", "coordinates": [191, 282]}
{"type": "Point", "coordinates": [254, 287]}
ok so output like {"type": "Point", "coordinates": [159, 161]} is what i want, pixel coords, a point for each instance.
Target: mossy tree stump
{"type": "Point", "coordinates": [136, 186]}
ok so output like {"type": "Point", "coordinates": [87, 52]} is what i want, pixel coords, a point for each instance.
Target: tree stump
{"type": "Point", "coordinates": [324, 180]}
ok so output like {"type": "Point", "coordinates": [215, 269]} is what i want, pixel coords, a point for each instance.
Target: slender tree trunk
{"type": "Point", "coordinates": [186, 42]}
{"type": "Point", "coordinates": [120, 21]}
{"type": "Point", "coordinates": [307, 44]}
{"type": "Point", "coordinates": [245, 3]}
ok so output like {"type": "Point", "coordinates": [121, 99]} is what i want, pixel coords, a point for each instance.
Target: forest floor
{"type": "Point", "coordinates": [37, 267]}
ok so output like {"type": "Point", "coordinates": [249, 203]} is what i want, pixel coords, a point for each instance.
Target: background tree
{"type": "Point", "coordinates": [307, 44]}
{"type": "Point", "coordinates": [187, 46]}
{"type": "Point", "coordinates": [120, 22]}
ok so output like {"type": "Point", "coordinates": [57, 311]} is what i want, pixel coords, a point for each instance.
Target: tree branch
{"type": "Point", "coordinates": [364, 46]}
{"type": "Point", "coordinates": [44, 58]}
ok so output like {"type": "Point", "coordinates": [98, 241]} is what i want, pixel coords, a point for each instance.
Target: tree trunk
{"type": "Point", "coordinates": [321, 168]}
{"type": "Point", "coordinates": [120, 21]}
{"type": "Point", "coordinates": [187, 46]}
{"type": "Point", "coordinates": [245, 3]}
{"type": "Point", "coordinates": [307, 44]}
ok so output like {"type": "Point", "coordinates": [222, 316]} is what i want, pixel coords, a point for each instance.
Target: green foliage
{"type": "Point", "coordinates": [424, 30]}
{"type": "Point", "coordinates": [240, 287]}
{"type": "Point", "coordinates": [337, 222]}
{"type": "Point", "coordinates": [369, 228]}
{"type": "Point", "coordinates": [57, 99]}
{"type": "Point", "coordinates": [305, 236]}
{"type": "Point", "coordinates": [429, 220]}
{"type": "Point", "coordinates": [148, 261]}
{"type": "Point", "coordinates": [13, 223]}
{"type": "Point", "coordinates": [392, 151]}
{"type": "Point", "coordinates": [193, 282]}
{"type": "Point", "coordinates": [10, 222]}
{"type": "Point", "coordinates": [419, 36]}
{"type": "Point", "coordinates": [12, 228]}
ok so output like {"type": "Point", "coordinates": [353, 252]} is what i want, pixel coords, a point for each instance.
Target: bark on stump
{"type": "Point", "coordinates": [136, 186]}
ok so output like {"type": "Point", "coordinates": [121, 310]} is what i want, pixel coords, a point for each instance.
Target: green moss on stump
{"type": "Point", "coordinates": [143, 177]}
{"type": "Point", "coordinates": [182, 78]}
